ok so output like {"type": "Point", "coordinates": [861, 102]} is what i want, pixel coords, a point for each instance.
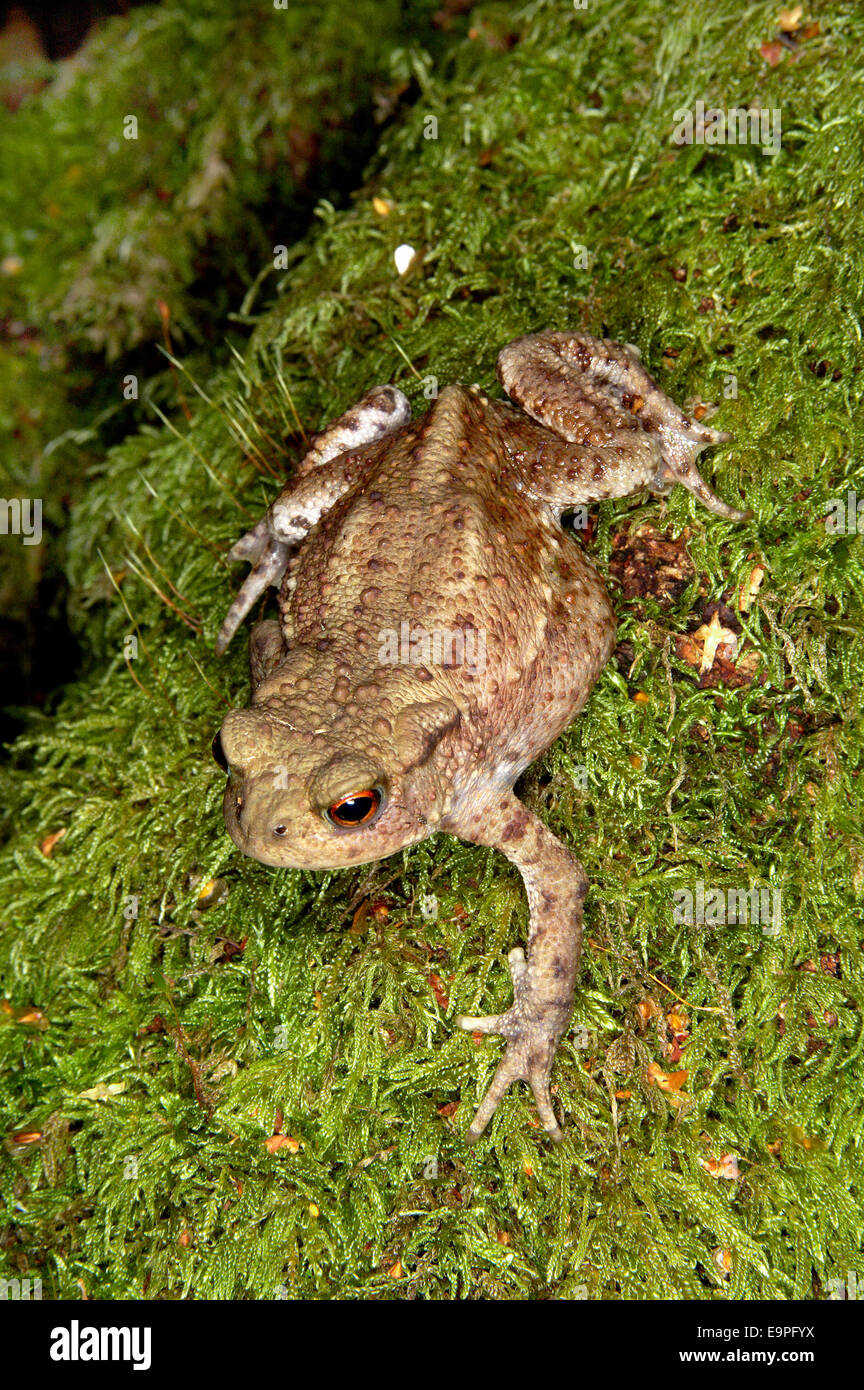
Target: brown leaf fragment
{"type": "Point", "coordinates": [713, 637]}
{"type": "Point", "coordinates": [790, 19]}
{"type": "Point", "coordinates": [438, 990]}
{"type": "Point", "coordinates": [714, 649]}
{"type": "Point", "coordinates": [647, 1008]}
{"type": "Point", "coordinates": [726, 1166]}
{"type": "Point", "coordinates": [750, 588]}
{"type": "Point", "coordinates": [667, 1081]}
{"type": "Point", "coordinates": [282, 1141]}
{"type": "Point", "coordinates": [47, 845]}
{"type": "Point", "coordinates": [646, 562]}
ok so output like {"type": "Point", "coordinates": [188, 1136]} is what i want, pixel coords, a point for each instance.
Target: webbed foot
{"type": "Point", "coordinates": [596, 394]}
{"type": "Point", "coordinates": [268, 558]}
{"type": "Point", "coordinates": [532, 1027]}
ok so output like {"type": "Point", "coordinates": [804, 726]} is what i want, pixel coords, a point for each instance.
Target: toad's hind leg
{"type": "Point", "coordinates": [625, 433]}
{"type": "Point", "coordinates": [543, 983]}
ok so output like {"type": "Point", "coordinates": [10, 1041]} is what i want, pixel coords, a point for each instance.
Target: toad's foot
{"type": "Point", "coordinates": [268, 557]}
{"type": "Point", "coordinates": [627, 433]}
{"type": "Point", "coordinates": [556, 885]}
{"type": "Point", "coordinates": [532, 1027]}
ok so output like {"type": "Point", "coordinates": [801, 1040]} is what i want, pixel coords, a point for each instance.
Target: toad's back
{"type": "Point", "coordinates": [439, 534]}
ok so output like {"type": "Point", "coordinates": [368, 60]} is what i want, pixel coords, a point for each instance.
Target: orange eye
{"type": "Point", "coordinates": [357, 809]}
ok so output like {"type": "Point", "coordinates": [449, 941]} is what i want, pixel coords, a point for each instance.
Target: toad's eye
{"type": "Point", "coordinates": [357, 809]}
{"type": "Point", "coordinates": [219, 752]}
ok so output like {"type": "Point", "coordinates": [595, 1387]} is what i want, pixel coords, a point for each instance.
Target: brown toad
{"type": "Point", "coordinates": [438, 630]}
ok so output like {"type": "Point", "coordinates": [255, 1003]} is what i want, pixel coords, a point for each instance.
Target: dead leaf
{"type": "Point", "coordinates": [678, 1022]}
{"type": "Point", "coordinates": [713, 649]}
{"type": "Point", "coordinates": [50, 841]}
{"type": "Point", "coordinates": [667, 1080]}
{"type": "Point", "coordinates": [156, 1026]}
{"type": "Point", "coordinates": [647, 1008]}
{"type": "Point", "coordinates": [282, 1141]}
{"type": "Point", "coordinates": [224, 950]}
{"type": "Point", "coordinates": [771, 52]}
{"type": "Point", "coordinates": [103, 1091]}
{"type": "Point", "coordinates": [789, 20]}
{"type": "Point", "coordinates": [647, 562]}
{"type": "Point", "coordinates": [750, 588]}
{"type": "Point", "coordinates": [438, 990]}
{"type": "Point", "coordinates": [726, 1166]}
{"type": "Point", "coordinates": [713, 636]}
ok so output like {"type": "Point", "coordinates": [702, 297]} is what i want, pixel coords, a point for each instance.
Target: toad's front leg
{"type": "Point", "coordinates": [543, 983]}
{"type": "Point", "coordinates": [326, 472]}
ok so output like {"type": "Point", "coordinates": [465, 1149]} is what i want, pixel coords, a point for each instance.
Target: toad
{"type": "Point", "coordinates": [438, 629]}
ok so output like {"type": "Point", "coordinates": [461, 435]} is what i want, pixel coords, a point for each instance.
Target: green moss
{"type": "Point", "coordinates": [143, 193]}
{"type": "Point", "coordinates": [553, 133]}
{"type": "Point", "coordinates": [165, 155]}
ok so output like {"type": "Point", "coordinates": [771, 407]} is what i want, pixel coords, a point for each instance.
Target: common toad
{"type": "Point", "coordinates": [438, 629]}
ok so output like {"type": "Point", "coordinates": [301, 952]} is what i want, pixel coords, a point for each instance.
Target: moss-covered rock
{"type": "Point", "coordinates": [244, 1082]}
{"type": "Point", "coordinates": [143, 194]}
